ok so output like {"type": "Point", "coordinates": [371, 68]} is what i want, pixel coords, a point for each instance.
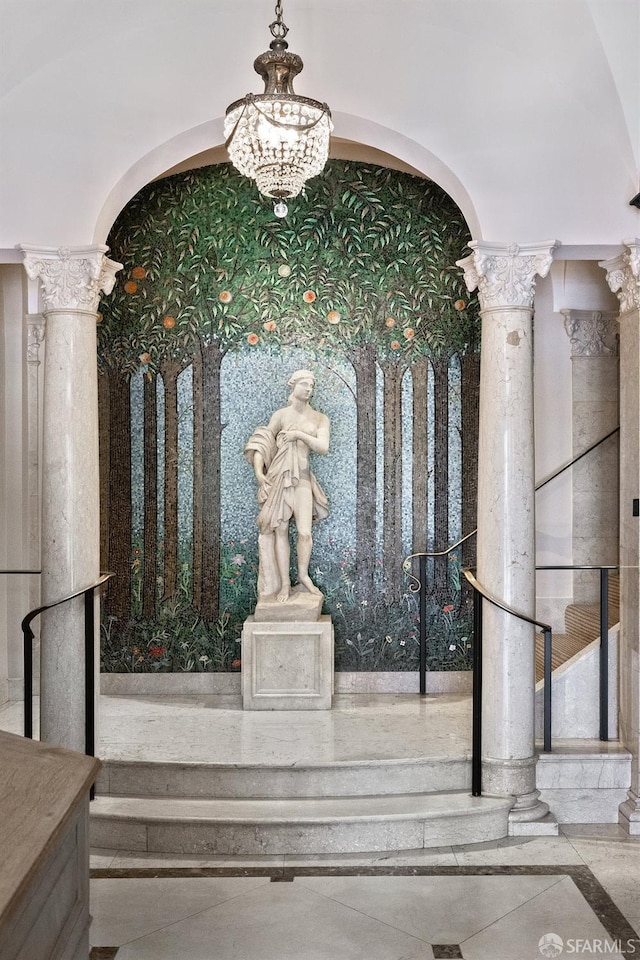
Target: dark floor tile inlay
{"type": "Point", "coordinates": [103, 953]}
{"type": "Point", "coordinates": [446, 951]}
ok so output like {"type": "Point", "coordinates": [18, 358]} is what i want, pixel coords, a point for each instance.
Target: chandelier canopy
{"type": "Point", "coordinates": [277, 138]}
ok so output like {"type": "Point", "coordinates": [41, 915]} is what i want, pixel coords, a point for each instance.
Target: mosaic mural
{"type": "Point", "coordinates": [217, 304]}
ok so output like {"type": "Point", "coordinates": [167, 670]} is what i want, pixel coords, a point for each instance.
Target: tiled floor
{"type": "Point", "coordinates": [493, 901]}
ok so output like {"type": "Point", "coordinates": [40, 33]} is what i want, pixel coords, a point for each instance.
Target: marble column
{"type": "Point", "coordinates": [71, 282]}
{"type": "Point", "coordinates": [595, 412]}
{"type": "Point", "coordinates": [623, 276]}
{"type": "Point", "coordinates": [505, 278]}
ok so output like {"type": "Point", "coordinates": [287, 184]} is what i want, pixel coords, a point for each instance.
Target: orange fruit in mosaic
{"type": "Point", "coordinates": [269, 325]}
{"type": "Point", "coordinates": [390, 322]}
{"type": "Point", "coordinates": [98, 317]}
{"type": "Point", "coordinates": [284, 270]}
{"type": "Point", "coordinates": [225, 297]}
{"type": "Point", "coordinates": [252, 338]}
{"type": "Point", "coordinates": [130, 286]}
{"type": "Point", "coordinates": [145, 358]}
{"type": "Point", "coordinates": [459, 305]}
{"type": "Point", "coordinates": [408, 334]}
{"type": "Point", "coordinates": [169, 323]}
{"type": "Point", "coordinates": [308, 296]}
{"type": "Point", "coordinates": [395, 345]}
{"type": "Point", "coordinates": [333, 316]}
{"type": "Point", "coordinates": [138, 273]}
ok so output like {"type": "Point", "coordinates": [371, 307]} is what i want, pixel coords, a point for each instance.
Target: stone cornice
{"type": "Point", "coordinates": [623, 276]}
{"type": "Point", "coordinates": [72, 278]}
{"type": "Point", "coordinates": [505, 273]}
{"type": "Point", "coordinates": [593, 333]}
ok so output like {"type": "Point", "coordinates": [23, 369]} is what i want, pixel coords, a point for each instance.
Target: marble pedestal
{"type": "Point", "coordinates": [287, 665]}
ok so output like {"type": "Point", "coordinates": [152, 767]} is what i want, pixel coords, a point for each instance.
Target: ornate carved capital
{"type": "Point", "coordinates": [505, 273]}
{"type": "Point", "coordinates": [623, 276]}
{"type": "Point", "coordinates": [72, 278]}
{"type": "Point", "coordinates": [35, 336]}
{"type": "Point", "coordinates": [592, 333]}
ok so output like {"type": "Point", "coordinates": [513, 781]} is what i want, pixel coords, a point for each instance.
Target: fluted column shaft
{"type": "Point", "coordinates": [623, 276]}
{"type": "Point", "coordinates": [71, 281]}
{"type": "Point", "coordinates": [505, 278]}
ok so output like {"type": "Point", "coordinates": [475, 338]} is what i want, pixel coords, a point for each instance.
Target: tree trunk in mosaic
{"type": "Point", "coordinates": [212, 426]}
{"type": "Point", "coordinates": [170, 371]}
{"type": "Point", "coordinates": [364, 365]}
{"type": "Point", "coordinates": [119, 560]}
{"type": "Point", "coordinates": [150, 493]}
{"type": "Point", "coordinates": [420, 471]}
{"type": "Point", "coordinates": [393, 372]}
{"type": "Point", "coordinates": [470, 398]}
{"type": "Point", "coordinates": [198, 427]}
{"type": "Point", "coordinates": [440, 367]}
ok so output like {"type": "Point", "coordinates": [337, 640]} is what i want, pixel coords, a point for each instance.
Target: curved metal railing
{"type": "Point", "coordinates": [89, 660]}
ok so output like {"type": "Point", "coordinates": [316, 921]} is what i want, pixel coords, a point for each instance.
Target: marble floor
{"type": "Point", "coordinates": [215, 729]}
{"type": "Point", "coordinates": [515, 899]}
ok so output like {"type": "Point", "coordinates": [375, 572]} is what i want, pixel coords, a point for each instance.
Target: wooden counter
{"type": "Point", "coordinates": [44, 852]}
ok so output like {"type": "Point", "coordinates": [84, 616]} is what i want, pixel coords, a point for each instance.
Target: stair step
{"type": "Point", "coordinates": [254, 781]}
{"type": "Point", "coordinates": [324, 825]}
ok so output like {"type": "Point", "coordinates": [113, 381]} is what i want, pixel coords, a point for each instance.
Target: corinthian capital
{"type": "Point", "coordinates": [505, 274]}
{"type": "Point", "coordinates": [623, 276]}
{"type": "Point", "coordinates": [592, 333]}
{"type": "Point", "coordinates": [72, 278]}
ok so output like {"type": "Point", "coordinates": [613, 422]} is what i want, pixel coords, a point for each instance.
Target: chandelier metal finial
{"type": "Point", "coordinates": [277, 138]}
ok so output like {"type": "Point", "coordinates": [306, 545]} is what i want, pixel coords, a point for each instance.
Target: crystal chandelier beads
{"type": "Point", "coordinates": [277, 138]}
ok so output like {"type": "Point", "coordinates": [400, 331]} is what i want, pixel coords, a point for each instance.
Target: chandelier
{"type": "Point", "coordinates": [277, 138]}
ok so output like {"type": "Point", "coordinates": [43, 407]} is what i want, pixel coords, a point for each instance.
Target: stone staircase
{"type": "Point", "coordinates": [223, 809]}
{"type": "Point", "coordinates": [582, 627]}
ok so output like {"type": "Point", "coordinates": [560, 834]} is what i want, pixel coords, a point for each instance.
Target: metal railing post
{"type": "Point", "coordinates": [476, 735]}
{"type": "Point", "coordinates": [547, 691]}
{"type": "Point", "coordinates": [423, 623]}
{"type": "Point", "coordinates": [604, 654]}
{"type": "Point", "coordinates": [89, 674]}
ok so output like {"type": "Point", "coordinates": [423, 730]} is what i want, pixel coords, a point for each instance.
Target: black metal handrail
{"type": "Point", "coordinates": [604, 637]}
{"type": "Point", "coordinates": [480, 593]}
{"type": "Point", "coordinates": [14, 572]}
{"type": "Point", "coordinates": [566, 466]}
{"type": "Point", "coordinates": [89, 659]}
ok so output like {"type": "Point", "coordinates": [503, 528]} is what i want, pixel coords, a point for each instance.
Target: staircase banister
{"type": "Point", "coordinates": [500, 603]}
{"type": "Point", "coordinates": [27, 620]}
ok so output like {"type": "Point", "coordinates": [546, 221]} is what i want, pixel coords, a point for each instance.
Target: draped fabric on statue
{"type": "Point", "coordinates": [276, 494]}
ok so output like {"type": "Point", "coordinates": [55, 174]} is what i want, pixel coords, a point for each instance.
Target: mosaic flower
{"type": "Point", "coordinates": [448, 608]}
{"type": "Point", "coordinates": [157, 651]}
{"type": "Point", "coordinates": [238, 560]}
{"type": "Point", "coordinates": [269, 326]}
{"type": "Point", "coordinates": [390, 322]}
{"type": "Point", "coordinates": [145, 358]}
{"type": "Point", "coordinates": [395, 345]}
{"type": "Point", "coordinates": [408, 333]}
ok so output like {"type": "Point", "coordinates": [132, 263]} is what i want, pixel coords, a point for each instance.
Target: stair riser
{"type": "Point", "coordinates": [204, 781]}
{"type": "Point", "coordinates": [224, 839]}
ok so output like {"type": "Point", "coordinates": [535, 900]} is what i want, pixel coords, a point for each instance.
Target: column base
{"type": "Point", "coordinates": [529, 816]}
{"type": "Point", "coordinates": [287, 666]}
{"type": "Point", "coordinates": [629, 815]}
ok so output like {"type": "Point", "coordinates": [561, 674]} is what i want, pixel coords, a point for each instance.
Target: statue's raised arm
{"type": "Point", "coordinates": [279, 454]}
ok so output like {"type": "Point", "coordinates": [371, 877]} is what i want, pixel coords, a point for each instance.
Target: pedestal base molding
{"type": "Point", "coordinates": [629, 814]}
{"type": "Point", "coordinates": [516, 778]}
{"type": "Point", "coordinates": [287, 666]}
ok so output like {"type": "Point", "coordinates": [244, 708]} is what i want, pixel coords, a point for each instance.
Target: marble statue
{"type": "Point", "coordinates": [279, 454]}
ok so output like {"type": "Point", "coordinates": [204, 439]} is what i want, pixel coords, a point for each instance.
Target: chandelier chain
{"type": "Point", "coordinates": [278, 28]}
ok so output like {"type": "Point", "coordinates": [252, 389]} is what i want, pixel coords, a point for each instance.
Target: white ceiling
{"type": "Point", "coordinates": [526, 111]}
